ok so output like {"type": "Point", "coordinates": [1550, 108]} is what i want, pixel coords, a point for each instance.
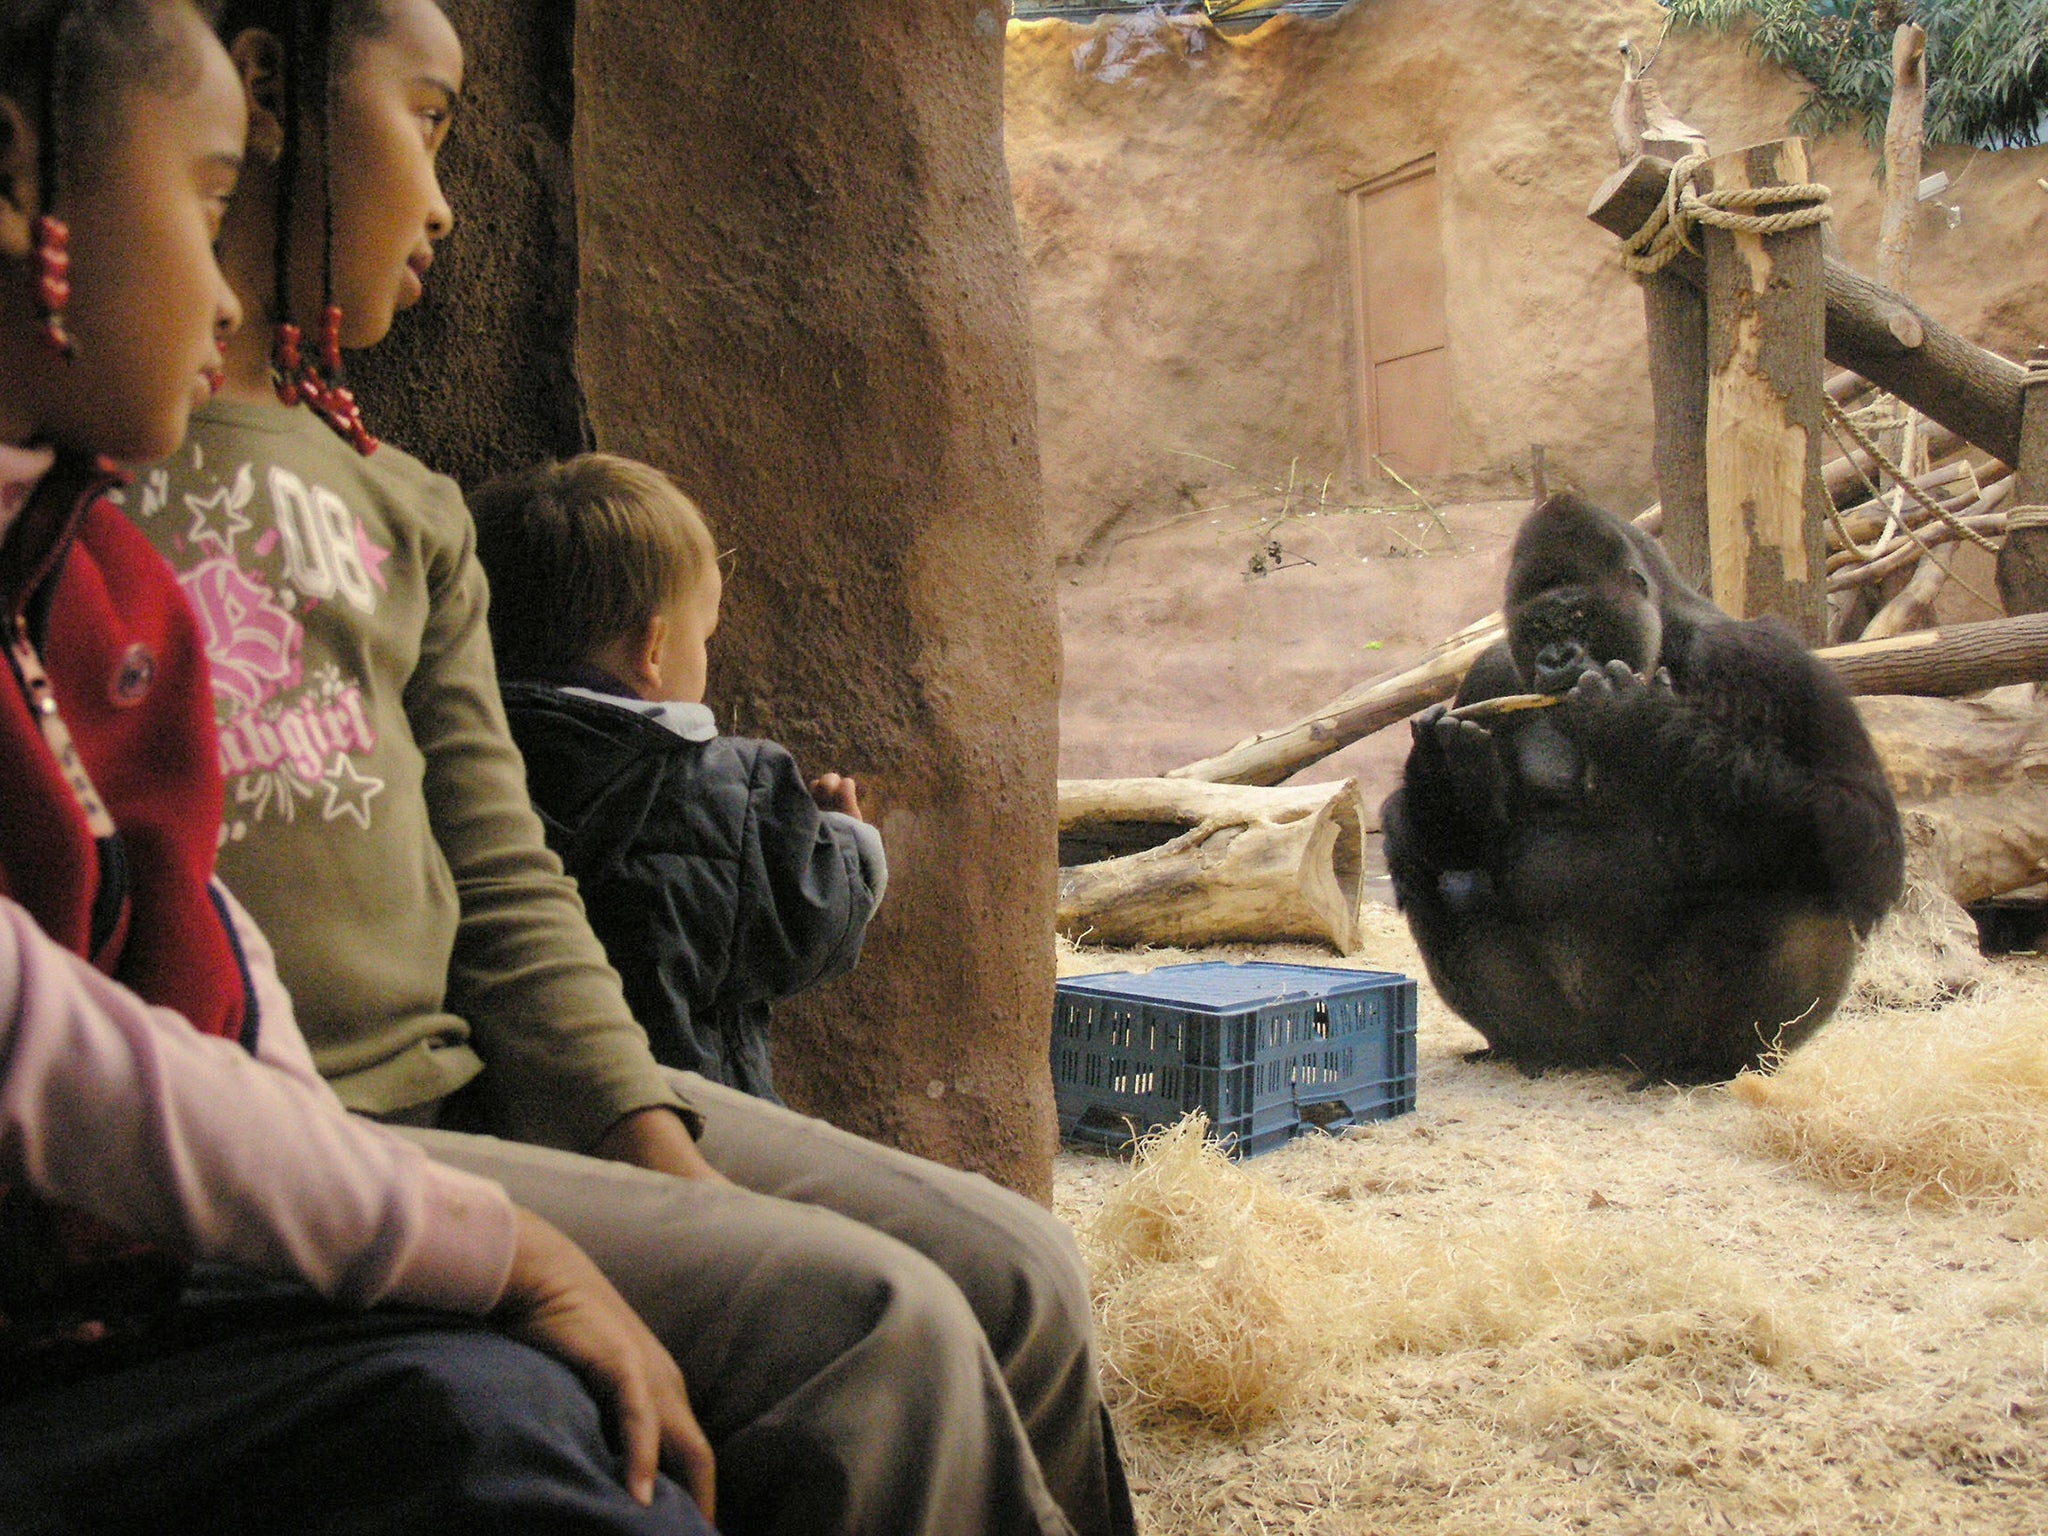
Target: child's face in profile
{"type": "Point", "coordinates": [691, 617]}
{"type": "Point", "coordinates": [148, 301]}
{"type": "Point", "coordinates": [391, 114]}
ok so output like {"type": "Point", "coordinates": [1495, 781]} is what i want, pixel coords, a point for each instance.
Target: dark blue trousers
{"type": "Point", "coordinates": [279, 1417]}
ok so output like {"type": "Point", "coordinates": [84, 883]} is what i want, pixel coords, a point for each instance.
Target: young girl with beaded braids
{"type": "Point", "coordinates": [873, 1342]}
{"type": "Point", "coordinates": [157, 1105]}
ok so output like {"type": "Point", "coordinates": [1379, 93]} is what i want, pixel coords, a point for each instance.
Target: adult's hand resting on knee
{"type": "Point", "coordinates": [557, 1300]}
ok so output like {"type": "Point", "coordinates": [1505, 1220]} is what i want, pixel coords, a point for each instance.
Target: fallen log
{"type": "Point", "coordinates": [1871, 330]}
{"type": "Point", "coordinates": [1942, 663]}
{"type": "Point", "coordinates": [1939, 663]}
{"type": "Point", "coordinates": [1232, 863]}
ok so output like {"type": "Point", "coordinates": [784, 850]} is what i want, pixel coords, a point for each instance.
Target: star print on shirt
{"type": "Point", "coordinates": [225, 504]}
{"type": "Point", "coordinates": [349, 793]}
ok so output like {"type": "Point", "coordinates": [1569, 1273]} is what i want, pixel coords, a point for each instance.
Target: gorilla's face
{"type": "Point", "coordinates": [1578, 597]}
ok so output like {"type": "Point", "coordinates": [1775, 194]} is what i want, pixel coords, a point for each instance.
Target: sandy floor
{"type": "Point", "coordinates": [1623, 1319]}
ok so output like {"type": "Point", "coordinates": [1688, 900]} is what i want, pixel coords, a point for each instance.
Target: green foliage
{"type": "Point", "coordinates": [1987, 61]}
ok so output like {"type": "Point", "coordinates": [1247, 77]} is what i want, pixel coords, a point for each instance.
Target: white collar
{"type": "Point", "coordinates": [692, 722]}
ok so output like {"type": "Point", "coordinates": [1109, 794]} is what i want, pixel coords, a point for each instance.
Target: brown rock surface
{"type": "Point", "coordinates": [801, 291]}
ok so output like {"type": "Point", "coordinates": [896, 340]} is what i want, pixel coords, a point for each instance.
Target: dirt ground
{"type": "Point", "coordinates": [1590, 1309]}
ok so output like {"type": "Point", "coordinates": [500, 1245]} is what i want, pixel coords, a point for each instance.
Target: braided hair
{"type": "Point", "coordinates": [67, 63]}
{"type": "Point", "coordinates": [313, 33]}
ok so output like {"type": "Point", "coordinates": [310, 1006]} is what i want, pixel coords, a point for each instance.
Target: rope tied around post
{"type": "Point", "coordinates": [1667, 230]}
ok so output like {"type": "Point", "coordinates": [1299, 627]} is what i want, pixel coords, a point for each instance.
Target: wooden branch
{"type": "Point", "coordinates": [1913, 608]}
{"type": "Point", "coordinates": [1279, 754]}
{"type": "Point", "coordinates": [1933, 535]}
{"type": "Point", "coordinates": [1870, 330]}
{"type": "Point", "coordinates": [1253, 865]}
{"type": "Point", "coordinates": [1936, 662]}
{"type": "Point", "coordinates": [1867, 519]}
{"type": "Point", "coordinates": [1902, 140]}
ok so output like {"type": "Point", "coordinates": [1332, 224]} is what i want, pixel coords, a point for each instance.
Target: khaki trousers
{"type": "Point", "coordinates": [873, 1342]}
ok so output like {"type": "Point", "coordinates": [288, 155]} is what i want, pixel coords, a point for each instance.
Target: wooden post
{"type": "Point", "coordinates": [1880, 334]}
{"type": "Point", "coordinates": [1675, 316]}
{"type": "Point", "coordinates": [2023, 562]}
{"type": "Point", "coordinates": [1675, 321]}
{"type": "Point", "coordinates": [1766, 332]}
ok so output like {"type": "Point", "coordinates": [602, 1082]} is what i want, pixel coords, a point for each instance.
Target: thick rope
{"type": "Point", "coordinates": [1667, 230]}
{"type": "Point", "coordinates": [1840, 418]}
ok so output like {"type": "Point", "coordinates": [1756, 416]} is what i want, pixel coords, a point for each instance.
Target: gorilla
{"type": "Point", "coordinates": [1674, 866]}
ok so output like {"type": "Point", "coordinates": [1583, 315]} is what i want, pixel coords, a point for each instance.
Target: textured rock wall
{"type": "Point", "coordinates": [1180, 198]}
{"type": "Point", "coordinates": [802, 293]}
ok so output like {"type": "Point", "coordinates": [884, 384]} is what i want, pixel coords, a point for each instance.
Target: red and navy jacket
{"type": "Point", "coordinates": [106, 694]}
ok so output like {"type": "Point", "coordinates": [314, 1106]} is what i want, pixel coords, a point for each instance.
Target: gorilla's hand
{"type": "Point", "coordinates": [1472, 763]}
{"type": "Point", "coordinates": [1423, 725]}
{"type": "Point", "coordinates": [1609, 699]}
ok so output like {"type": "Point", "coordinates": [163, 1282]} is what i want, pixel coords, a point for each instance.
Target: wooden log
{"type": "Point", "coordinates": [1675, 321]}
{"type": "Point", "coordinates": [1870, 330]}
{"type": "Point", "coordinates": [1902, 143]}
{"type": "Point", "coordinates": [1942, 663]}
{"type": "Point", "coordinates": [1675, 318]}
{"type": "Point", "coordinates": [1962, 658]}
{"type": "Point", "coordinates": [1913, 608]}
{"type": "Point", "coordinates": [1283, 752]}
{"type": "Point", "coordinates": [2023, 562]}
{"type": "Point", "coordinates": [1766, 502]}
{"type": "Point", "coordinates": [1251, 865]}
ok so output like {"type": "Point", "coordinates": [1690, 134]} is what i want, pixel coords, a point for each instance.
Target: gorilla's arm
{"type": "Point", "coordinates": [1759, 762]}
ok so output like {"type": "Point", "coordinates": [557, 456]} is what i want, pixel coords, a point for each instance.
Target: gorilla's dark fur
{"type": "Point", "coordinates": [1673, 868]}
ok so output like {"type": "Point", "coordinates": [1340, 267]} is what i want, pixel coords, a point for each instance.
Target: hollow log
{"type": "Point", "coordinates": [1870, 330]}
{"type": "Point", "coordinates": [1253, 865]}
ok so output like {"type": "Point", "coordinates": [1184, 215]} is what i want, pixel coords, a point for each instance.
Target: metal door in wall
{"type": "Point", "coordinates": [1401, 389]}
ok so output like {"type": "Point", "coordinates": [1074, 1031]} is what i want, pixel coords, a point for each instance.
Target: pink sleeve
{"type": "Point", "coordinates": [124, 1111]}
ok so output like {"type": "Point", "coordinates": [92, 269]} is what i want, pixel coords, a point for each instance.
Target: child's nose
{"type": "Point", "coordinates": [227, 314]}
{"type": "Point", "coordinates": [440, 217]}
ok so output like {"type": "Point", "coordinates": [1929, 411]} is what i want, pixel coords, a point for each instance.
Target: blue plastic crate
{"type": "Point", "coordinates": [1263, 1050]}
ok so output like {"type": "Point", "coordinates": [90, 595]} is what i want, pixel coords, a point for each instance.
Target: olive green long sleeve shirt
{"type": "Point", "coordinates": [376, 819]}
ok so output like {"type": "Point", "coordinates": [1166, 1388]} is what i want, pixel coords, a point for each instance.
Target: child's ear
{"type": "Point", "coordinates": [19, 200]}
{"type": "Point", "coordinates": [647, 654]}
{"type": "Point", "coordinates": [260, 61]}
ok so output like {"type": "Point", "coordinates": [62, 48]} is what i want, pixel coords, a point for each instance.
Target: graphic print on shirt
{"type": "Point", "coordinates": [258, 551]}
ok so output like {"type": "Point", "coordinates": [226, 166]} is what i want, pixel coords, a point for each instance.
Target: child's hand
{"type": "Point", "coordinates": [837, 792]}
